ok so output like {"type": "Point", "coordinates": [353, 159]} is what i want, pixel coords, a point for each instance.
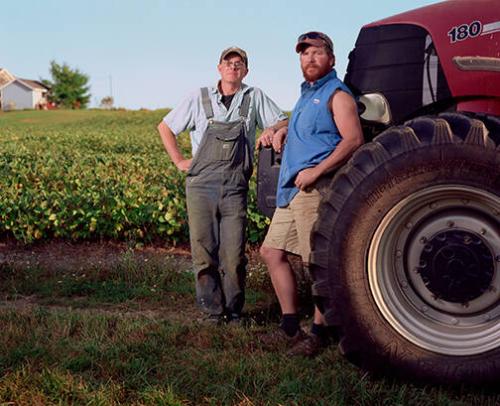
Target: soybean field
{"type": "Point", "coordinates": [87, 175]}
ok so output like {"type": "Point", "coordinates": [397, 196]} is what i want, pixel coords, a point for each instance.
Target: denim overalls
{"type": "Point", "coordinates": [216, 196]}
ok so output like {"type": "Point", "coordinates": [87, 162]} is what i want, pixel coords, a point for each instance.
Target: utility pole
{"type": "Point", "coordinates": [110, 86]}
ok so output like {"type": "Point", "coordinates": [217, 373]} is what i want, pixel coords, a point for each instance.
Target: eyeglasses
{"type": "Point", "coordinates": [235, 65]}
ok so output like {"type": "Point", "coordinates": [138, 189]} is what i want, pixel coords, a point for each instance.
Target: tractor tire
{"type": "Point", "coordinates": [406, 252]}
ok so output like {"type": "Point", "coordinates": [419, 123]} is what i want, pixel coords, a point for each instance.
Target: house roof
{"type": "Point", "coordinates": [33, 84]}
{"type": "Point", "coordinates": [5, 77]}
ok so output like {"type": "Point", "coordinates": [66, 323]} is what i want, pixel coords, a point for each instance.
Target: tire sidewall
{"type": "Point", "coordinates": [363, 323]}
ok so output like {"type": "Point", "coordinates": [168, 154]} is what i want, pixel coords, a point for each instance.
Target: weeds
{"type": "Point", "coordinates": [131, 278]}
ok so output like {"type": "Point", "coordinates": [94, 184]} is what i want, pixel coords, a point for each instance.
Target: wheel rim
{"type": "Point", "coordinates": [434, 269]}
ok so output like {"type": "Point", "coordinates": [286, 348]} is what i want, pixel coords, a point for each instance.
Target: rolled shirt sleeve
{"type": "Point", "coordinates": [188, 116]}
{"type": "Point", "coordinates": [267, 112]}
{"type": "Point", "coordinates": [182, 117]}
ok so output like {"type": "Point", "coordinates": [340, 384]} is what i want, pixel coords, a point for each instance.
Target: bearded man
{"type": "Point", "coordinates": [323, 133]}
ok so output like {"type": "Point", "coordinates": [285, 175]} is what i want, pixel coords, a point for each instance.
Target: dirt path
{"type": "Point", "coordinates": [66, 255]}
{"type": "Point", "coordinates": [67, 258]}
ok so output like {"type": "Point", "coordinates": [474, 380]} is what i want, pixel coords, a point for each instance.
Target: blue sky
{"type": "Point", "coordinates": [151, 53]}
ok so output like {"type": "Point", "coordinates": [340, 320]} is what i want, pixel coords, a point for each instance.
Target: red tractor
{"type": "Point", "coordinates": [406, 251]}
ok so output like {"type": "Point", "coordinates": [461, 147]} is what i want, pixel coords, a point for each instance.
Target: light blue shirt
{"type": "Point", "coordinates": [189, 115]}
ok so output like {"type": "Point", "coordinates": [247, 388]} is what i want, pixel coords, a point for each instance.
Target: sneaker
{"type": "Point", "coordinates": [311, 346]}
{"type": "Point", "coordinates": [278, 339]}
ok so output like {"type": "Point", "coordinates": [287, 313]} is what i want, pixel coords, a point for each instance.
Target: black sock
{"type": "Point", "coordinates": [290, 324]}
{"type": "Point", "coordinates": [319, 330]}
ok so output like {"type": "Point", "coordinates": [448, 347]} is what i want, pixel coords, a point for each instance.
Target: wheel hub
{"type": "Point", "coordinates": [456, 266]}
{"type": "Point", "coordinates": [434, 269]}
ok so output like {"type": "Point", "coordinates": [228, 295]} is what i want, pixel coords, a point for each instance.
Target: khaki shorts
{"type": "Point", "coordinates": [291, 226]}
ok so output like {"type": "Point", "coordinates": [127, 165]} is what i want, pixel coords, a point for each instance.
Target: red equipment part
{"type": "Point", "coordinates": [467, 41]}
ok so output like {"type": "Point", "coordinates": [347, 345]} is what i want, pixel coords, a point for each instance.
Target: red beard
{"type": "Point", "coordinates": [312, 72]}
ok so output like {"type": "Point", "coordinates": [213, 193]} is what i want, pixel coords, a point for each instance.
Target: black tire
{"type": "Point", "coordinates": [406, 252]}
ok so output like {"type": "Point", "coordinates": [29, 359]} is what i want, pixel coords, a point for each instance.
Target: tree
{"type": "Point", "coordinates": [69, 87]}
{"type": "Point", "coordinates": [107, 102]}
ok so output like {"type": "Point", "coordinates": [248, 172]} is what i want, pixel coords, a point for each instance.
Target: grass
{"type": "Point", "coordinates": [123, 333]}
{"type": "Point", "coordinates": [129, 279]}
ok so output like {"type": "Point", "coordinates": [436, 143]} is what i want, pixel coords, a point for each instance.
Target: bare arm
{"type": "Point", "coordinates": [170, 144]}
{"type": "Point", "coordinates": [346, 118]}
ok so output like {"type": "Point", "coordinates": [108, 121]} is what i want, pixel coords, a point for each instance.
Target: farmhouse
{"type": "Point", "coordinates": [18, 94]}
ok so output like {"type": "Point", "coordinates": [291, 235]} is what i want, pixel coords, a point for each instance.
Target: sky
{"type": "Point", "coordinates": [152, 53]}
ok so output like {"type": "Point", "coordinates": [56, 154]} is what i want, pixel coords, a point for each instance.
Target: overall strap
{"type": "Point", "coordinates": [207, 104]}
{"type": "Point", "coordinates": [245, 105]}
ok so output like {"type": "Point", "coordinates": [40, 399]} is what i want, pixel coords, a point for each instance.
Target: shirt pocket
{"type": "Point", "coordinates": [308, 119]}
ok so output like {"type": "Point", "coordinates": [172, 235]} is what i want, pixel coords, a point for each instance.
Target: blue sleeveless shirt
{"type": "Point", "coordinates": [312, 133]}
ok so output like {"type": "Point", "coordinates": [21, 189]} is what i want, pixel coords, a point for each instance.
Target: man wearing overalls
{"type": "Point", "coordinates": [222, 121]}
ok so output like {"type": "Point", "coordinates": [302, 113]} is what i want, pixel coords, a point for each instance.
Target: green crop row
{"type": "Point", "coordinates": [93, 175]}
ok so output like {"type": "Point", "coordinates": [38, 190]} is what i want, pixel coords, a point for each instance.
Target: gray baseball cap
{"type": "Point", "coordinates": [234, 50]}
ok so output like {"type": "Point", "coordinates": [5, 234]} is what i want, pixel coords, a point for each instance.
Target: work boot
{"type": "Point", "coordinates": [311, 346]}
{"type": "Point", "coordinates": [278, 339]}
{"type": "Point", "coordinates": [233, 319]}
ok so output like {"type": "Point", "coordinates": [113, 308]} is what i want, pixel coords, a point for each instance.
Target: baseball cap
{"type": "Point", "coordinates": [234, 50]}
{"type": "Point", "coordinates": [314, 38]}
